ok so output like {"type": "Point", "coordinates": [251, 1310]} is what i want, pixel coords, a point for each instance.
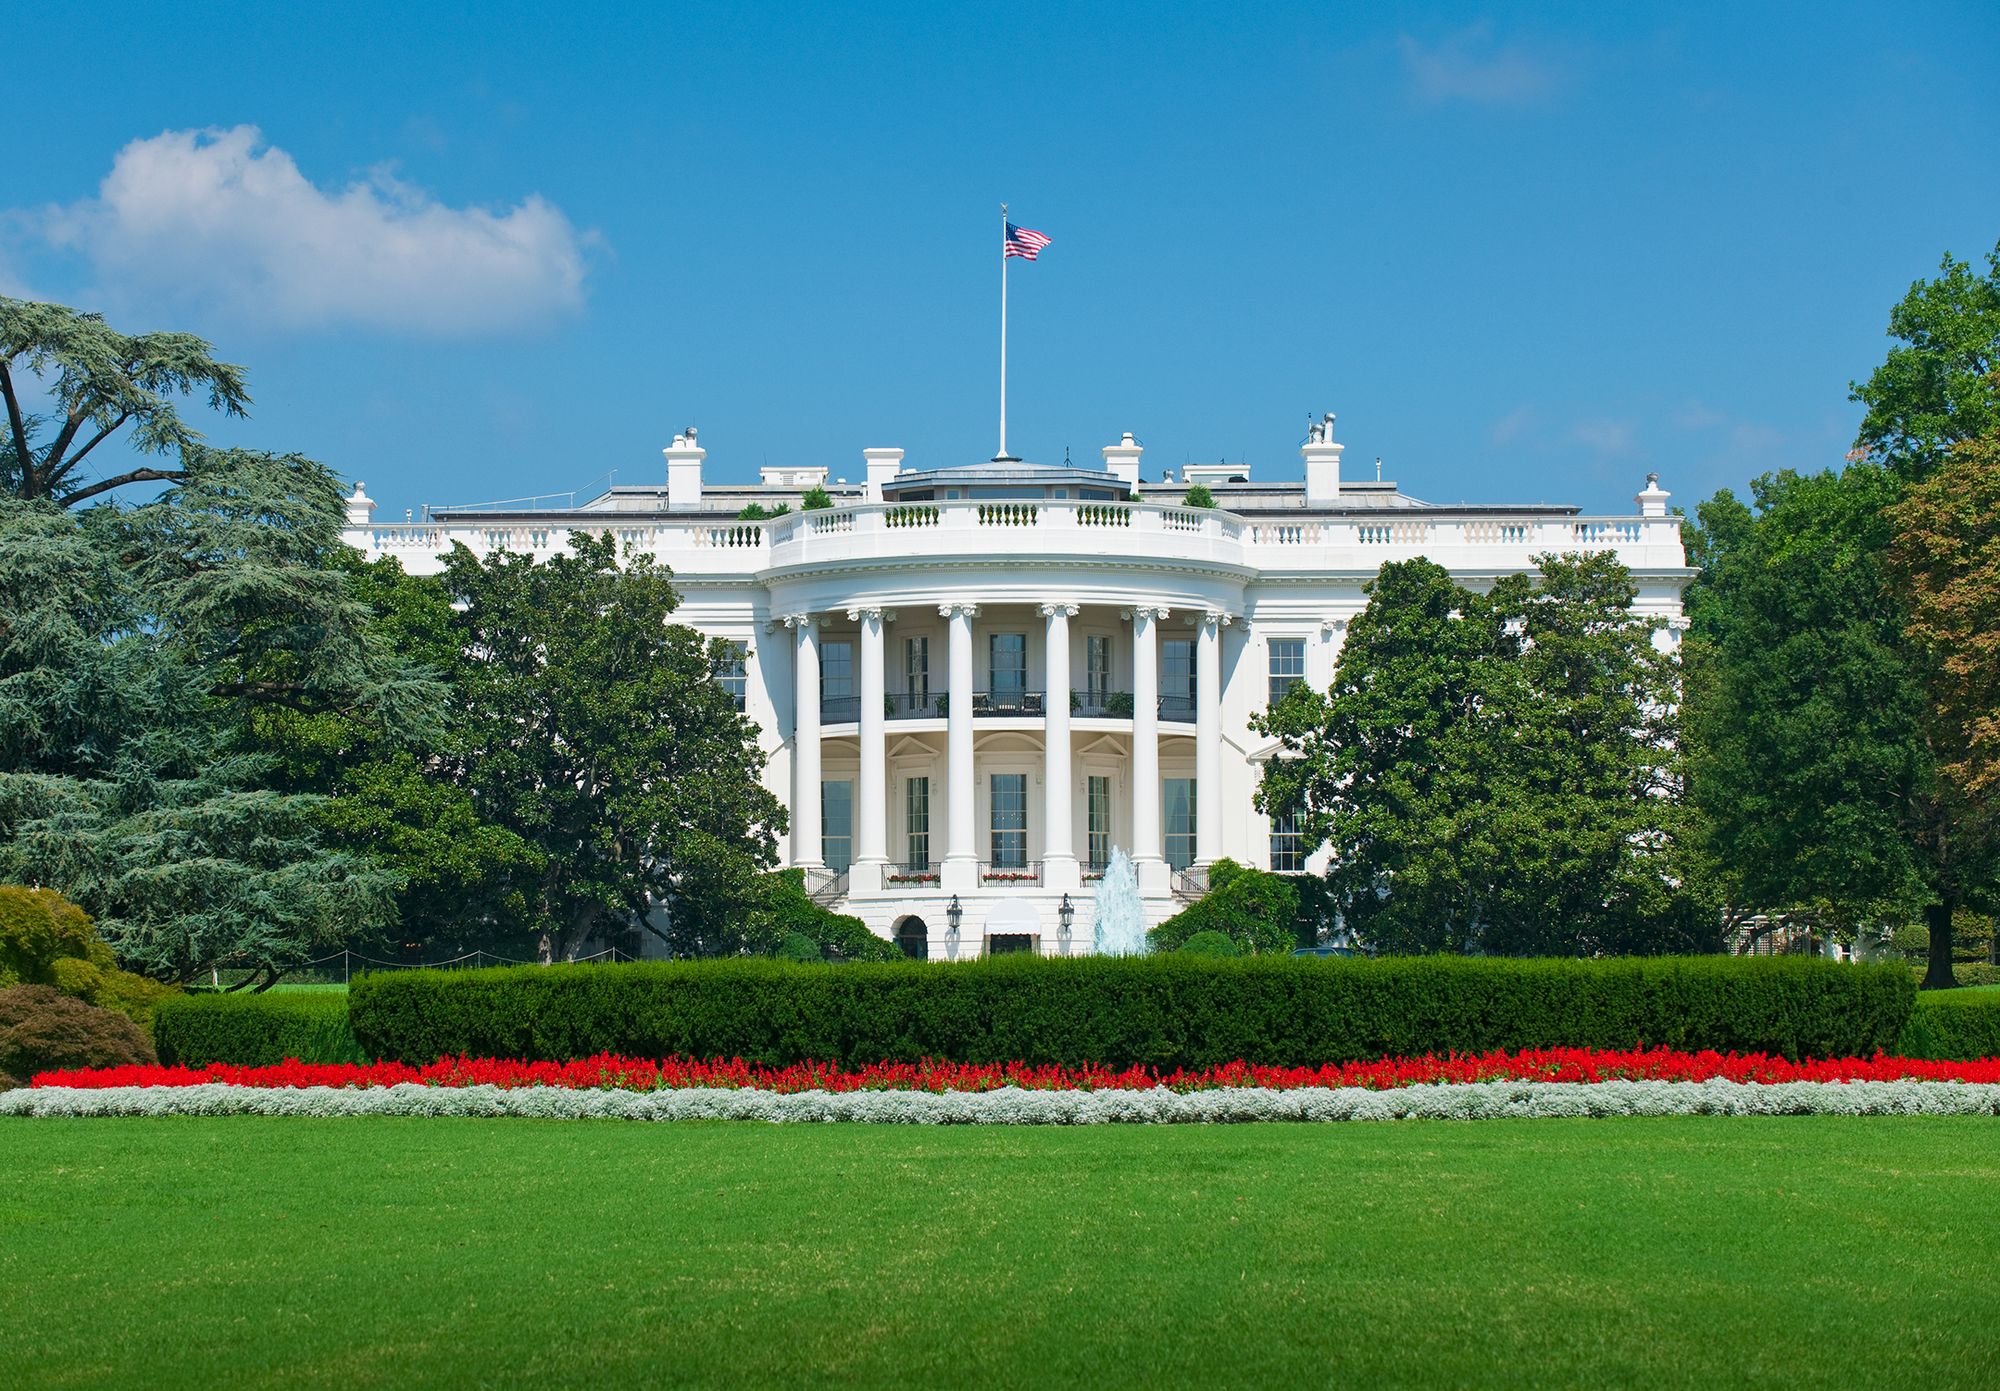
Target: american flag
{"type": "Point", "coordinates": [1022, 242]}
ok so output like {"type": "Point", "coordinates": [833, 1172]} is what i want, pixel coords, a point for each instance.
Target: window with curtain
{"type": "Point", "coordinates": [1009, 820]}
{"type": "Point", "coordinates": [836, 822]}
{"type": "Point", "coordinates": [837, 700]}
{"type": "Point", "coordinates": [917, 823]}
{"type": "Point", "coordinates": [1097, 818]}
{"type": "Point", "coordinates": [1179, 822]}
{"type": "Point", "coordinates": [1177, 678]}
{"type": "Point", "coordinates": [1008, 656]}
{"type": "Point", "coordinates": [917, 671]}
{"type": "Point", "coordinates": [1096, 670]}
{"type": "Point", "coordinates": [732, 672]}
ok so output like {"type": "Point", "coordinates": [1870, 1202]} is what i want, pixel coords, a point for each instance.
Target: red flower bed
{"type": "Point", "coordinates": [1530, 1065]}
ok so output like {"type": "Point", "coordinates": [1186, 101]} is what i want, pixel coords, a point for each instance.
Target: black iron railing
{"type": "Point", "coordinates": [1010, 872]}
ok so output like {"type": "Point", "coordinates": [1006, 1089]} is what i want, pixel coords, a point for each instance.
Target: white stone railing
{"type": "Point", "coordinates": [990, 528]}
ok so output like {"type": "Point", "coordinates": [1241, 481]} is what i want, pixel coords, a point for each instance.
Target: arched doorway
{"type": "Point", "coordinates": [914, 938]}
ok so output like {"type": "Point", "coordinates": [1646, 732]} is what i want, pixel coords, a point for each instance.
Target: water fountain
{"type": "Point", "coordinates": [1118, 927]}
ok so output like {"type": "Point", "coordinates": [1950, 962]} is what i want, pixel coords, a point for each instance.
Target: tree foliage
{"type": "Point", "coordinates": [1944, 560]}
{"type": "Point", "coordinates": [1496, 772]}
{"type": "Point", "coordinates": [590, 726]}
{"type": "Point", "coordinates": [139, 648]}
{"type": "Point", "coordinates": [100, 381]}
{"type": "Point", "coordinates": [1941, 384]}
{"type": "Point", "coordinates": [1254, 909]}
{"type": "Point", "coordinates": [1815, 754]}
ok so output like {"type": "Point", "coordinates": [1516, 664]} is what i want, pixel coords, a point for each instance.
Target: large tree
{"type": "Point", "coordinates": [1496, 772]}
{"type": "Point", "coordinates": [139, 650]}
{"type": "Point", "coordinates": [1814, 745]}
{"type": "Point", "coordinates": [1941, 383]}
{"type": "Point", "coordinates": [99, 381]}
{"type": "Point", "coordinates": [591, 726]}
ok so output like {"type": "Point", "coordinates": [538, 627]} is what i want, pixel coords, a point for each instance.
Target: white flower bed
{"type": "Point", "coordinates": [1013, 1106]}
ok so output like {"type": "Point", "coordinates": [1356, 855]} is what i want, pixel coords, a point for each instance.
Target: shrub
{"type": "Point", "coordinates": [1953, 1024]}
{"type": "Point", "coordinates": [1209, 943]}
{"type": "Point", "coordinates": [47, 940]}
{"type": "Point", "coordinates": [1198, 496]}
{"type": "Point", "coordinates": [783, 910]}
{"type": "Point", "coordinates": [799, 947]}
{"type": "Point", "coordinates": [1255, 909]}
{"type": "Point", "coordinates": [816, 499]}
{"type": "Point", "coordinates": [1164, 1011]}
{"type": "Point", "coordinates": [43, 1028]}
{"type": "Point", "coordinates": [256, 1030]}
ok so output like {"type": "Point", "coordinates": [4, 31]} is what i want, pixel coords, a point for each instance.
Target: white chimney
{"type": "Point", "coordinates": [1653, 502]}
{"type": "Point", "coordinates": [1121, 461]}
{"type": "Point", "coordinates": [883, 466]}
{"type": "Point", "coordinates": [1322, 456]}
{"type": "Point", "coordinates": [360, 508]}
{"type": "Point", "coordinates": [684, 458]}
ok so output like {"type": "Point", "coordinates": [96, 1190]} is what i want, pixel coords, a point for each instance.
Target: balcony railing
{"type": "Point", "coordinates": [840, 709]}
{"type": "Point", "coordinates": [1007, 702]}
{"type": "Point", "coordinates": [1178, 708]}
{"type": "Point", "coordinates": [1101, 705]}
{"type": "Point", "coordinates": [914, 875]}
{"type": "Point", "coordinates": [825, 886]}
{"type": "Point", "coordinates": [916, 705]}
{"type": "Point", "coordinates": [1010, 872]}
{"type": "Point", "coordinates": [1191, 883]}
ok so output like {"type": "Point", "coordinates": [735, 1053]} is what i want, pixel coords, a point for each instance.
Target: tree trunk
{"type": "Point", "coordinates": [1937, 917]}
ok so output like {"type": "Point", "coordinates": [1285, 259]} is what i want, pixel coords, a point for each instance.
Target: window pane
{"type": "Point", "coordinates": [733, 673]}
{"type": "Point", "coordinates": [1010, 820]}
{"type": "Point", "coordinates": [1180, 822]}
{"type": "Point", "coordinates": [1287, 854]}
{"type": "Point", "coordinates": [1288, 666]}
{"type": "Point", "coordinates": [1096, 668]}
{"type": "Point", "coordinates": [836, 682]}
{"type": "Point", "coordinates": [917, 823]}
{"type": "Point", "coordinates": [1009, 656]}
{"type": "Point", "coordinates": [917, 671]}
{"type": "Point", "coordinates": [1099, 819]}
{"type": "Point", "coordinates": [1177, 678]}
{"type": "Point", "coordinates": [836, 811]}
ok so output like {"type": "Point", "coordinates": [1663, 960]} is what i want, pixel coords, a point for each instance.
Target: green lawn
{"type": "Point", "coordinates": [1691, 1252]}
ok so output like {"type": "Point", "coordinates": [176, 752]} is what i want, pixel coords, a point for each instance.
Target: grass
{"type": "Point", "coordinates": [1683, 1252]}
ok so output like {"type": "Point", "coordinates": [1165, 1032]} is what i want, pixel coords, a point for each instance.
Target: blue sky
{"type": "Point", "coordinates": [1527, 253]}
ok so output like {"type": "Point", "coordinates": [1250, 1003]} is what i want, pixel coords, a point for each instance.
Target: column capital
{"type": "Point", "coordinates": [955, 609]}
{"type": "Point", "coordinates": [1148, 611]}
{"type": "Point", "coordinates": [1216, 618]}
{"type": "Point", "coordinates": [855, 615]}
{"type": "Point", "coordinates": [1333, 625]}
{"type": "Point", "coordinates": [798, 620]}
{"type": "Point", "coordinates": [1051, 610]}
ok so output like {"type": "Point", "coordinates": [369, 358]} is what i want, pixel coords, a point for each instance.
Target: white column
{"type": "Point", "coordinates": [1208, 738]}
{"type": "Point", "coordinates": [1059, 866]}
{"type": "Point", "coordinates": [960, 870]}
{"type": "Point", "coordinates": [807, 848]}
{"type": "Point", "coordinates": [1148, 852]}
{"type": "Point", "coordinates": [871, 812]}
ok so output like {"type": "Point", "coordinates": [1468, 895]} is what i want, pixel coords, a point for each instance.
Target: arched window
{"type": "Point", "coordinates": [914, 938]}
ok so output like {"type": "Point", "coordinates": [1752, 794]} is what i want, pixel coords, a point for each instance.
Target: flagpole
{"type": "Point", "coordinates": [1003, 333]}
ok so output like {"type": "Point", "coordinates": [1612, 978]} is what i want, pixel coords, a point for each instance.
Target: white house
{"type": "Point", "coordinates": [973, 682]}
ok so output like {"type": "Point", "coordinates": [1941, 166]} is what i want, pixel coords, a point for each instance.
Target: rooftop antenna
{"type": "Point", "coordinates": [1378, 468]}
{"type": "Point", "coordinates": [1066, 462]}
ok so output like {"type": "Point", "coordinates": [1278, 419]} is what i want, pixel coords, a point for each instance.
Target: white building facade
{"type": "Point", "coordinates": [973, 683]}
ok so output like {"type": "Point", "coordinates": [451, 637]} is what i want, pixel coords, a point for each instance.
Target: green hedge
{"type": "Point", "coordinates": [1166, 1011]}
{"type": "Point", "coordinates": [310, 1025]}
{"type": "Point", "coordinates": [1953, 1024]}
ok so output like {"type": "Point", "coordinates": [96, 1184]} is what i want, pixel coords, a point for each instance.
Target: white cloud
{"type": "Point", "coordinates": [1607, 438]}
{"type": "Point", "coordinates": [219, 219]}
{"type": "Point", "coordinates": [1513, 428]}
{"type": "Point", "coordinates": [1470, 66]}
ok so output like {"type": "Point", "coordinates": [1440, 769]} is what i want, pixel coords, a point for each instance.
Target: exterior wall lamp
{"type": "Point", "coordinates": [1065, 915]}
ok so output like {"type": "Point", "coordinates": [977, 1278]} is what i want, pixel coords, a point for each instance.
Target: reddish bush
{"type": "Point", "coordinates": [42, 1028]}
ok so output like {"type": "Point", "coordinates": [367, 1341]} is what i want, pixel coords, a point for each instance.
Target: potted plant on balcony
{"type": "Point", "coordinates": [1118, 704]}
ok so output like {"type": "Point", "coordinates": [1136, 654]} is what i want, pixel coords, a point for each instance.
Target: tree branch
{"type": "Point", "coordinates": [72, 422]}
{"type": "Point", "coordinates": [137, 475]}
{"type": "Point", "coordinates": [78, 457]}
{"type": "Point", "coordinates": [19, 427]}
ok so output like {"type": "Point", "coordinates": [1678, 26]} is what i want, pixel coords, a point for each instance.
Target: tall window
{"type": "Point", "coordinates": [836, 822]}
{"type": "Point", "coordinates": [732, 672]}
{"type": "Point", "coordinates": [1180, 822]}
{"type": "Point", "coordinates": [1287, 849]}
{"type": "Point", "coordinates": [1010, 820]}
{"type": "Point", "coordinates": [917, 671]}
{"type": "Point", "coordinates": [1177, 678]}
{"type": "Point", "coordinates": [836, 682]}
{"type": "Point", "coordinates": [1288, 665]}
{"type": "Point", "coordinates": [917, 822]}
{"type": "Point", "coordinates": [1097, 816]}
{"type": "Point", "coordinates": [1096, 670]}
{"type": "Point", "coordinates": [1009, 656]}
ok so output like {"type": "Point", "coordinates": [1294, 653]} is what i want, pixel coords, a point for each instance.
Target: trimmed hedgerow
{"type": "Point", "coordinates": [255, 1030]}
{"type": "Point", "coordinates": [1953, 1024]}
{"type": "Point", "coordinates": [1162, 1011]}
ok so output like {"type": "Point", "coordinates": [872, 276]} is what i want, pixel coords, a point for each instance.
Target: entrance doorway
{"type": "Point", "coordinates": [1007, 943]}
{"type": "Point", "coordinates": [914, 938]}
